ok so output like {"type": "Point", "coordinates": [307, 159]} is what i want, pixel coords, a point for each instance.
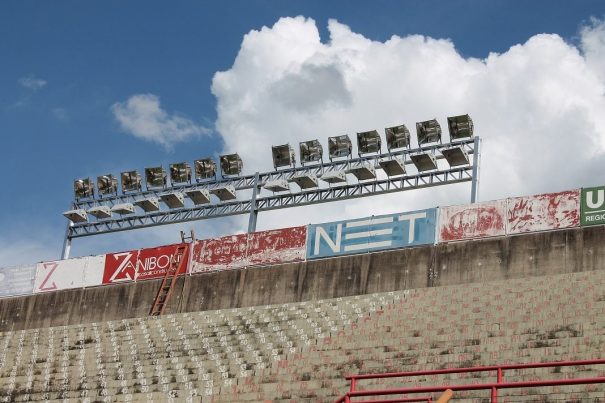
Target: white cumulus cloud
{"type": "Point", "coordinates": [32, 83]}
{"type": "Point", "coordinates": [538, 106]}
{"type": "Point", "coordinates": [143, 117]}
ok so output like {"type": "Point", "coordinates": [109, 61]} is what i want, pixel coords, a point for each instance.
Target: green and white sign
{"type": "Point", "coordinates": [593, 206]}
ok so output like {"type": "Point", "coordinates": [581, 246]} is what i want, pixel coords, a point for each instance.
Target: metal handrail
{"type": "Point", "coordinates": [493, 386]}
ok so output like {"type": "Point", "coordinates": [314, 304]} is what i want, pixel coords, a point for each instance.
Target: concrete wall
{"type": "Point", "coordinates": [580, 249]}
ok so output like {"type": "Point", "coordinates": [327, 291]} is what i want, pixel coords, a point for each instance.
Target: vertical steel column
{"type": "Point", "coordinates": [66, 242]}
{"type": "Point", "coordinates": [253, 209]}
{"type": "Point", "coordinates": [476, 162]}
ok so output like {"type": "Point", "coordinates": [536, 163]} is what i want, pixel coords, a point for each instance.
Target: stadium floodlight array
{"type": "Point", "coordinates": [397, 137]}
{"type": "Point", "coordinates": [231, 164]}
{"type": "Point", "coordinates": [131, 181]}
{"type": "Point", "coordinates": [428, 132]}
{"type": "Point", "coordinates": [180, 172]}
{"type": "Point", "coordinates": [155, 177]}
{"type": "Point", "coordinates": [205, 169]}
{"type": "Point", "coordinates": [368, 142]}
{"type": "Point", "coordinates": [107, 185]}
{"type": "Point", "coordinates": [339, 146]}
{"type": "Point", "coordinates": [283, 156]}
{"type": "Point", "coordinates": [310, 151]}
{"type": "Point", "coordinates": [317, 181]}
{"type": "Point", "coordinates": [83, 188]}
{"type": "Point", "coordinates": [460, 127]}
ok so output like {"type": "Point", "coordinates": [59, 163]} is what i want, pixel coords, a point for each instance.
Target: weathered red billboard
{"type": "Point", "coordinates": [277, 246]}
{"type": "Point", "coordinates": [470, 221]}
{"type": "Point", "coordinates": [543, 212]}
{"type": "Point", "coordinates": [224, 253]}
{"type": "Point", "coordinates": [259, 248]}
{"type": "Point", "coordinates": [138, 265]}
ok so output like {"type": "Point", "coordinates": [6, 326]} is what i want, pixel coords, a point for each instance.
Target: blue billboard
{"type": "Point", "coordinates": [371, 234]}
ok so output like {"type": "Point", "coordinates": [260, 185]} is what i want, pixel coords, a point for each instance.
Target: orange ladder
{"type": "Point", "coordinates": [177, 261]}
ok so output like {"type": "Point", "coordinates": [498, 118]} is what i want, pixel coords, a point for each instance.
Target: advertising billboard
{"type": "Point", "coordinates": [371, 234]}
{"type": "Point", "coordinates": [17, 280]}
{"type": "Point", "coordinates": [70, 273]}
{"type": "Point", "coordinates": [593, 206]}
{"type": "Point", "coordinates": [139, 265]}
{"type": "Point", "coordinates": [543, 212]}
{"type": "Point", "coordinates": [470, 221]}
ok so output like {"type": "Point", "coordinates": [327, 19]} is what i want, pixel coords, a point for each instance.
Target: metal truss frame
{"type": "Point", "coordinates": [254, 204]}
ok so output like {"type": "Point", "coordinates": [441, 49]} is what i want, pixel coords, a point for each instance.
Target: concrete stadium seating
{"type": "Point", "coordinates": [301, 351]}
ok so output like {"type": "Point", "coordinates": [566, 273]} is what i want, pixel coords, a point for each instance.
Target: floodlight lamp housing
{"type": "Point", "coordinates": [311, 151]}
{"type": "Point", "coordinates": [283, 156]}
{"type": "Point", "coordinates": [131, 181]}
{"type": "Point", "coordinates": [339, 146]}
{"type": "Point", "coordinates": [397, 137]}
{"type": "Point", "coordinates": [180, 172]}
{"type": "Point", "coordinates": [205, 169]}
{"type": "Point", "coordinates": [107, 185]}
{"type": "Point", "coordinates": [428, 132]}
{"type": "Point", "coordinates": [460, 127]}
{"type": "Point", "coordinates": [155, 177]}
{"type": "Point", "coordinates": [231, 164]}
{"type": "Point", "coordinates": [83, 188]}
{"type": "Point", "coordinates": [368, 142]}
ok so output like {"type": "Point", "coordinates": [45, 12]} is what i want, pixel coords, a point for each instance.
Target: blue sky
{"type": "Point", "coordinates": [64, 65]}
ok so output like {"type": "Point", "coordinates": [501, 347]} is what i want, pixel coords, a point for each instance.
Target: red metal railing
{"type": "Point", "coordinates": [493, 386]}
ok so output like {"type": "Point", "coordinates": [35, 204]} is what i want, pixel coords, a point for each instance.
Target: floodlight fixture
{"type": "Point", "coordinates": [131, 181]}
{"type": "Point", "coordinates": [334, 177]}
{"type": "Point", "coordinates": [224, 192]}
{"type": "Point", "coordinates": [397, 137]}
{"type": "Point", "coordinates": [428, 132]}
{"type": "Point", "coordinates": [149, 204]}
{"type": "Point", "coordinates": [368, 142]}
{"type": "Point", "coordinates": [205, 169]}
{"type": "Point", "coordinates": [305, 180]}
{"type": "Point", "coordinates": [283, 156]}
{"type": "Point", "coordinates": [180, 172]}
{"type": "Point", "coordinates": [279, 185]}
{"type": "Point", "coordinates": [83, 188]}
{"type": "Point", "coordinates": [455, 156]}
{"type": "Point", "coordinates": [173, 199]}
{"type": "Point", "coordinates": [460, 127]}
{"type": "Point", "coordinates": [76, 216]}
{"type": "Point", "coordinates": [100, 212]}
{"type": "Point", "coordinates": [363, 171]}
{"type": "Point", "coordinates": [310, 151]}
{"type": "Point", "coordinates": [124, 208]}
{"type": "Point", "coordinates": [107, 185]}
{"type": "Point", "coordinates": [199, 196]}
{"type": "Point", "coordinates": [155, 177]}
{"type": "Point", "coordinates": [231, 164]}
{"type": "Point", "coordinates": [393, 166]}
{"type": "Point", "coordinates": [339, 146]}
{"type": "Point", "coordinates": [424, 161]}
